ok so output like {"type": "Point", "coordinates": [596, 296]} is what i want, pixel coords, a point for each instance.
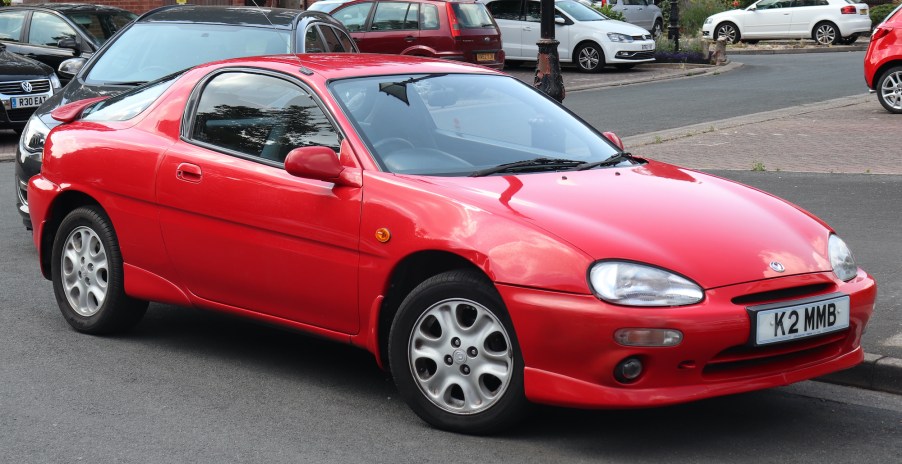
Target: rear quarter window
{"type": "Point", "coordinates": [472, 15]}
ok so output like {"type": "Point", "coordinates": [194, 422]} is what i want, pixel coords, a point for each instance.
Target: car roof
{"type": "Point", "coordinates": [72, 7]}
{"type": "Point", "coordinates": [345, 65]}
{"type": "Point", "coordinates": [278, 18]}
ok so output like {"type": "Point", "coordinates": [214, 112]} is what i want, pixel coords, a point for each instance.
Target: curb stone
{"type": "Point", "coordinates": [881, 373]}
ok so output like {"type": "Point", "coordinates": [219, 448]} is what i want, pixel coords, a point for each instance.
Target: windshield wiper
{"type": "Point", "coordinates": [608, 162]}
{"type": "Point", "coordinates": [536, 164]}
{"type": "Point", "coordinates": [128, 83]}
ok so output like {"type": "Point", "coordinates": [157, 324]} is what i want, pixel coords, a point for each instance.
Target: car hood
{"type": "Point", "coordinates": [620, 27]}
{"type": "Point", "coordinates": [715, 231]}
{"type": "Point", "coordinates": [17, 67]}
{"type": "Point", "coordinates": [74, 91]}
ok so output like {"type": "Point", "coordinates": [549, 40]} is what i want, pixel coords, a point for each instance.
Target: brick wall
{"type": "Point", "coordinates": [140, 6]}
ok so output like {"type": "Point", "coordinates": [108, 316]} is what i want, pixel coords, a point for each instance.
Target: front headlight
{"type": "Point", "coordinates": [33, 136]}
{"type": "Point", "coordinates": [615, 37]}
{"type": "Point", "coordinates": [55, 82]}
{"type": "Point", "coordinates": [633, 284]}
{"type": "Point", "coordinates": [841, 259]}
{"type": "Point", "coordinates": [708, 20]}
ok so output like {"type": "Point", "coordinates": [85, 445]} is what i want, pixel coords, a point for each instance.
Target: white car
{"type": "Point", "coordinates": [587, 38]}
{"type": "Point", "coordinates": [829, 22]}
{"type": "Point", "coordinates": [326, 6]}
{"type": "Point", "coordinates": [643, 13]}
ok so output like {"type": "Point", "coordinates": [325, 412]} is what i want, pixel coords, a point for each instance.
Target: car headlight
{"type": "Point", "coordinates": [615, 37]}
{"type": "Point", "coordinates": [33, 136]}
{"type": "Point", "coordinates": [841, 259]}
{"type": "Point", "coordinates": [634, 284]}
{"type": "Point", "coordinates": [55, 82]}
{"type": "Point", "coordinates": [708, 20]}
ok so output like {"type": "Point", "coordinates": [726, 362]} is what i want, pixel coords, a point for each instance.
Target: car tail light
{"type": "Point", "coordinates": [849, 9]}
{"type": "Point", "coordinates": [452, 21]}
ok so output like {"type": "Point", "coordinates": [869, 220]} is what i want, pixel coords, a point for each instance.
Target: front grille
{"type": "Point", "coordinates": [792, 293]}
{"type": "Point", "coordinates": [15, 87]}
{"type": "Point", "coordinates": [20, 115]}
{"type": "Point", "coordinates": [646, 55]}
{"type": "Point", "coordinates": [753, 361]}
{"type": "Point", "coordinates": [642, 37]}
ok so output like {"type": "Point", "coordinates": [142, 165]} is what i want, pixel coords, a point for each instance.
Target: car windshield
{"type": "Point", "coordinates": [129, 104]}
{"type": "Point", "coordinates": [149, 51]}
{"type": "Point", "coordinates": [580, 12]}
{"type": "Point", "coordinates": [100, 26]}
{"type": "Point", "coordinates": [462, 124]}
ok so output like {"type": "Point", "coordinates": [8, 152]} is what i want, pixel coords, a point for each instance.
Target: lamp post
{"type": "Point", "coordinates": [548, 65]}
{"type": "Point", "coordinates": [673, 30]}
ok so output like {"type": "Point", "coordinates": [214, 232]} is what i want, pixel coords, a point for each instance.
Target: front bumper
{"type": "Point", "coordinates": [570, 354]}
{"type": "Point", "coordinates": [639, 51]}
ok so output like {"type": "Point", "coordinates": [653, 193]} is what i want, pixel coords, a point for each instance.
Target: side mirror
{"type": "Point", "coordinates": [70, 43]}
{"type": "Point", "coordinates": [752, 8]}
{"type": "Point", "coordinates": [560, 20]}
{"type": "Point", "coordinates": [614, 139]}
{"type": "Point", "coordinates": [69, 68]}
{"type": "Point", "coordinates": [318, 163]}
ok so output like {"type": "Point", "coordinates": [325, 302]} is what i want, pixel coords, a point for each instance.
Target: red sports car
{"type": "Point", "coordinates": [883, 62]}
{"type": "Point", "coordinates": [483, 243]}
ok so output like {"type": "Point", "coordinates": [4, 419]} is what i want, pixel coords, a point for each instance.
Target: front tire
{"type": "Point", "coordinates": [589, 58]}
{"type": "Point", "coordinates": [454, 355]}
{"type": "Point", "coordinates": [889, 89]}
{"type": "Point", "coordinates": [728, 31]}
{"type": "Point", "coordinates": [826, 33]}
{"type": "Point", "coordinates": [86, 267]}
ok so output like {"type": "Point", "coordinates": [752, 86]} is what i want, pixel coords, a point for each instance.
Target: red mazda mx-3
{"type": "Point", "coordinates": [484, 244]}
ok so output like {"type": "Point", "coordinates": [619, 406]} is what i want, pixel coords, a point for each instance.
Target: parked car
{"type": "Point", "coordinates": [24, 85]}
{"type": "Point", "coordinates": [484, 244]}
{"type": "Point", "coordinates": [828, 22]}
{"type": "Point", "coordinates": [883, 62]}
{"type": "Point", "coordinates": [643, 13]}
{"type": "Point", "coordinates": [54, 32]}
{"type": "Point", "coordinates": [169, 39]}
{"type": "Point", "coordinates": [453, 30]}
{"type": "Point", "coordinates": [326, 6]}
{"type": "Point", "coordinates": [588, 39]}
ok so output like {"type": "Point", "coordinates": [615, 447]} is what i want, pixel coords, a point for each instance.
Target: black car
{"type": "Point", "coordinates": [24, 85]}
{"type": "Point", "coordinates": [54, 32]}
{"type": "Point", "coordinates": [169, 39]}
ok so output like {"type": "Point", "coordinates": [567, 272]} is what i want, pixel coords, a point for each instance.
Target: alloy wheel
{"type": "Point", "coordinates": [85, 271]}
{"type": "Point", "coordinates": [460, 356]}
{"type": "Point", "coordinates": [825, 34]}
{"type": "Point", "coordinates": [891, 90]}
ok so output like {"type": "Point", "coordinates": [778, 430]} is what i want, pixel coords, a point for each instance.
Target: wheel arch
{"type": "Point", "coordinates": [406, 275]}
{"type": "Point", "coordinates": [735, 24]}
{"type": "Point", "coordinates": [818, 22]}
{"type": "Point", "coordinates": [62, 205]}
{"type": "Point", "coordinates": [875, 81]}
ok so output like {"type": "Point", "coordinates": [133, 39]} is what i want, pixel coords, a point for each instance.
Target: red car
{"type": "Point", "coordinates": [484, 244]}
{"type": "Point", "coordinates": [453, 30]}
{"type": "Point", "coordinates": [883, 62]}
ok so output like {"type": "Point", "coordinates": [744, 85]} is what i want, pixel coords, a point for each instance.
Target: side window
{"type": "Point", "coordinates": [505, 9]}
{"type": "Point", "coordinates": [313, 43]}
{"type": "Point", "coordinates": [354, 16]}
{"type": "Point", "coordinates": [428, 17]}
{"type": "Point", "coordinates": [533, 12]}
{"type": "Point", "coordinates": [332, 42]}
{"type": "Point", "coordinates": [260, 116]}
{"type": "Point", "coordinates": [346, 41]}
{"type": "Point", "coordinates": [47, 29]}
{"type": "Point", "coordinates": [395, 16]}
{"type": "Point", "coordinates": [11, 25]}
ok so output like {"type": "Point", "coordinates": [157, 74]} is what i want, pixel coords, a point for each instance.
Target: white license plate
{"type": "Point", "coordinates": [27, 102]}
{"type": "Point", "coordinates": [806, 318]}
{"type": "Point", "coordinates": [648, 46]}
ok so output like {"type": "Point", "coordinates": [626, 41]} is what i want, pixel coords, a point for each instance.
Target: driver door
{"type": "Point", "coordinates": [770, 19]}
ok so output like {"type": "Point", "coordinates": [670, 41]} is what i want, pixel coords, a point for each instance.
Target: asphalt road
{"type": "Point", "coordinates": [195, 386]}
{"type": "Point", "coordinates": [763, 83]}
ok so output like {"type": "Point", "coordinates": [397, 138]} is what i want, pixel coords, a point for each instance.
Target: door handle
{"type": "Point", "coordinates": [410, 38]}
{"type": "Point", "coordinates": [189, 173]}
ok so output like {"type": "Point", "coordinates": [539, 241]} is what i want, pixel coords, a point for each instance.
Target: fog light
{"type": "Point", "coordinates": [628, 370]}
{"type": "Point", "coordinates": [648, 337]}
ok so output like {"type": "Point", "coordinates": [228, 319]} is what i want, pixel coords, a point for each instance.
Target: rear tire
{"type": "Point", "coordinates": [889, 89]}
{"type": "Point", "coordinates": [86, 267]}
{"type": "Point", "coordinates": [454, 355]}
{"type": "Point", "coordinates": [657, 29]}
{"type": "Point", "coordinates": [826, 33]}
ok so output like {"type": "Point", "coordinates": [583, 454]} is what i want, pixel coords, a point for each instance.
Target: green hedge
{"type": "Point", "coordinates": [880, 12]}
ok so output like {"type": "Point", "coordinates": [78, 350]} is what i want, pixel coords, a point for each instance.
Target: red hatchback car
{"type": "Point", "coordinates": [454, 30]}
{"type": "Point", "coordinates": [883, 62]}
{"type": "Point", "coordinates": [485, 245]}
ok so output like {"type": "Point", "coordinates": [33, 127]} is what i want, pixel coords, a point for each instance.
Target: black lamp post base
{"type": "Point", "coordinates": [548, 77]}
